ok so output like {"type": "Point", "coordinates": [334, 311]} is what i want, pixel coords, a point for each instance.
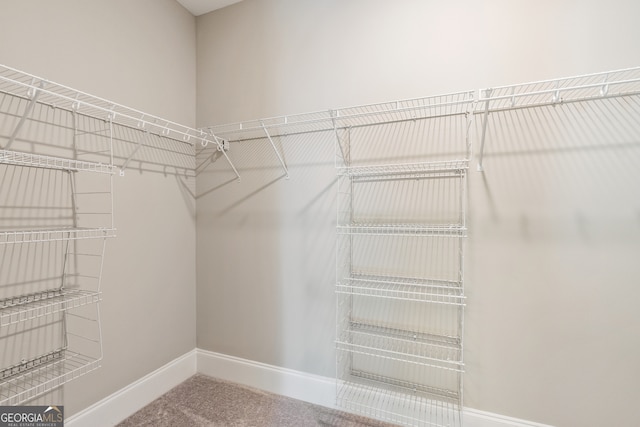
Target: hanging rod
{"type": "Point", "coordinates": [36, 89]}
{"type": "Point", "coordinates": [587, 87]}
{"type": "Point", "coordinates": [363, 115]}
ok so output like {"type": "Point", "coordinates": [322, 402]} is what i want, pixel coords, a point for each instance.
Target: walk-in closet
{"type": "Point", "coordinates": [346, 213]}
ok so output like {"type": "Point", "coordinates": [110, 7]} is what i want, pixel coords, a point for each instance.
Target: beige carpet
{"type": "Point", "coordinates": [204, 401]}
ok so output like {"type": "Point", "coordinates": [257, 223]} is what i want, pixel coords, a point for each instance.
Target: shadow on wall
{"type": "Point", "coordinates": [554, 237]}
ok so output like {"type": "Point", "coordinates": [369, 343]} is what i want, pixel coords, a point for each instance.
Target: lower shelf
{"type": "Point", "coordinates": [35, 377]}
{"type": "Point", "coordinates": [31, 306]}
{"type": "Point", "coordinates": [405, 346]}
{"type": "Point", "coordinates": [397, 404]}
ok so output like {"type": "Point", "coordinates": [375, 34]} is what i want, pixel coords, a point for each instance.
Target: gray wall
{"type": "Point", "coordinates": [140, 54]}
{"type": "Point", "coordinates": [554, 235]}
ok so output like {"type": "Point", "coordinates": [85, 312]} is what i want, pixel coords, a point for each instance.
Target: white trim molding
{"type": "Point", "coordinates": [287, 382]}
{"type": "Point", "coordinates": [313, 388]}
{"type": "Point", "coordinates": [126, 401]}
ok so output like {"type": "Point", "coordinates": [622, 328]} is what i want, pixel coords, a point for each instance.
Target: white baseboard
{"type": "Point", "coordinates": [287, 382]}
{"type": "Point", "coordinates": [118, 406]}
{"type": "Point", "coordinates": [313, 388]}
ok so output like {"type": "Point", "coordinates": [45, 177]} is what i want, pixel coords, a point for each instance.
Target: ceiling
{"type": "Point", "coordinates": [200, 7]}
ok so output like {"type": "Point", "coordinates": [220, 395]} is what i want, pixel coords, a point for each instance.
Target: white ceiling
{"type": "Point", "coordinates": [200, 7]}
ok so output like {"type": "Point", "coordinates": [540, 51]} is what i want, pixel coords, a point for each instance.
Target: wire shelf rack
{"type": "Point", "coordinates": [32, 378]}
{"type": "Point", "coordinates": [403, 404]}
{"type": "Point", "coordinates": [587, 87]}
{"type": "Point", "coordinates": [400, 345]}
{"type": "Point", "coordinates": [444, 230]}
{"type": "Point", "coordinates": [405, 170]}
{"type": "Point", "coordinates": [63, 234]}
{"type": "Point", "coordinates": [29, 86]}
{"type": "Point", "coordinates": [48, 162]}
{"type": "Point", "coordinates": [25, 307]}
{"type": "Point", "coordinates": [403, 288]}
{"type": "Point", "coordinates": [358, 116]}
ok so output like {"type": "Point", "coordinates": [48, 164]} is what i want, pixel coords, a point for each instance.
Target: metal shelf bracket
{"type": "Point", "coordinates": [284, 166]}
{"type": "Point", "coordinates": [485, 119]}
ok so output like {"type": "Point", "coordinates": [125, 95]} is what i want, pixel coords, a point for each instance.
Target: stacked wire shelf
{"type": "Point", "coordinates": [400, 295]}
{"type": "Point", "coordinates": [56, 154]}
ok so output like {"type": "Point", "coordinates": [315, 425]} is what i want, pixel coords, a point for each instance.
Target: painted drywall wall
{"type": "Point", "coordinates": [140, 54]}
{"type": "Point", "coordinates": [554, 229]}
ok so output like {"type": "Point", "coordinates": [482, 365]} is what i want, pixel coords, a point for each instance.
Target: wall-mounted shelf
{"type": "Point", "coordinates": [584, 88]}
{"type": "Point", "coordinates": [32, 378]}
{"type": "Point", "coordinates": [405, 170]}
{"type": "Point", "coordinates": [445, 230]}
{"type": "Point", "coordinates": [48, 162]}
{"type": "Point", "coordinates": [63, 234]}
{"type": "Point", "coordinates": [45, 92]}
{"type": "Point", "coordinates": [403, 288]}
{"type": "Point", "coordinates": [31, 306]}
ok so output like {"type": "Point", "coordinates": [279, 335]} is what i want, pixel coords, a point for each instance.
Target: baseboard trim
{"type": "Point", "coordinates": [287, 382]}
{"type": "Point", "coordinates": [119, 405]}
{"type": "Point", "coordinates": [313, 388]}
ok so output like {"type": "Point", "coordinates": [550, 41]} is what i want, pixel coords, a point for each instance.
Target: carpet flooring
{"type": "Point", "coordinates": [203, 401]}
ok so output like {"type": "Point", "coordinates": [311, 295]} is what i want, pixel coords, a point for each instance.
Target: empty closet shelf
{"type": "Point", "coordinates": [403, 288]}
{"type": "Point", "coordinates": [35, 377]}
{"type": "Point", "coordinates": [399, 345]}
{"type": "Point", "coordinates": [36, 236]}
{"type": "Point", "coordinates": [25, 307]}
{"type": "Point", "coordinates": [445, 230]}
{"type": "Point", "coordinates": [47, 162]}
{"type": "Point", "coordinates": [405, 404]}
{"type": "Point", "coordinates": [406, 170]}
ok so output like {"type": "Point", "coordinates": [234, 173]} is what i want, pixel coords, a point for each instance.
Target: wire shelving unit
{"type": "Point", "coordinates": [399, 277]}
{"type": "Point", "coordinates": [65, 233]}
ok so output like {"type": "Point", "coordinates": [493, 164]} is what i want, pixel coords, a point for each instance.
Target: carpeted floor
{"type": "Point", "coordinates": [204, 401]}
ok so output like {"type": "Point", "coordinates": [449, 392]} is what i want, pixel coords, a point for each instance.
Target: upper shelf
{"type": "Point", "coordinates": [363, 115]}
{"type": "Point", "coordinates": [569, 89]}
{"type": "Point", "coordinates": [28, 86]}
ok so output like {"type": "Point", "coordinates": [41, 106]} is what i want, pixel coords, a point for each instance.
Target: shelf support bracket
{"type": "Point", "coordinates": [221, 148]}
{"type": "Point", "coordinates": [346, 161]}
{"type": "Point", "coordinates": [286, 171]}
{"type": "Point", "coordinates": [27, 113]}
{"type": "Point", "coordinates": [485, 119]}
{"type": "Point", "coordinates": [141, 141]}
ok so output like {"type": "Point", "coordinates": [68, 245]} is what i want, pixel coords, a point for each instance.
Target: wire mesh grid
{"type": "Point", "coordinates": [358, 116]}
{"type": "Point", "coordinates": [39, 236]}
{"type": "Point", "coordinates": [43, 374]}
{"type": "Point", "coordinates": [30, 306]}
{"type": "Point", "coordinates": [28, 86]}
{"type": "Point", "coordinates": [570, 89]}
{"type": "Point", "coordinates": [48, 162]}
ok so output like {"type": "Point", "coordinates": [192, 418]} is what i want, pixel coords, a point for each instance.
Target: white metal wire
{"type": "Point", "coordinates": [445, 230]}
{"type": "Point", "coordinates": [62, 366]}
{"type": "Point", "coordinates": [407, 170]}
{"type": "Point", "coordinates": [38, 236]}
{"type": "Point", "coordinates": [584, 88]}
{"type": "Point", "coordinates": [362, 115]}
{"type": "Point", "coordinates": [25, 307]}
{"type": "Point", "coordinates": [48, 162]}
{"type": "Point", "coordinates": [403, 288]}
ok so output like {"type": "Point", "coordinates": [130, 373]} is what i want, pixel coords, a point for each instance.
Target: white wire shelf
{"type": "Point", "coordinates": [400, 345]}
{"type": "Point", "coordinates": [403, 288]}
{"type": "Point", "coordinates": [30, 379]}
{"type": "Point", "coordinates": [444, 230]}
{"type": "Point", "coordinates": [406, 170]}
{"type": "Point", "coordinates": [48, 162]}
{"type": "Point", "coordinates": [569, 89]}
{"type": "Point", "coordinates": [63, 234]}
{"type": "Point", "coordinates": [363, 115]}
{"type": "Point", "coordinates": [403, 404]}
{"type": "Point", "coordinates": [28, 86]}
{"type": "Point", "coordinates": [24, 307]}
